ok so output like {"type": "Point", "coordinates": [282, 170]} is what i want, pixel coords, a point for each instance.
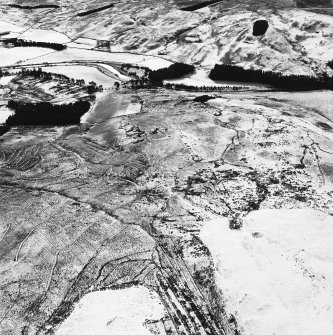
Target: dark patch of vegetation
{"type": "Point", "coordinates": [33, 7]}
{"type": "Point", "coordinates": [235, 223]}
{"type": "Point", "coordinates": [324, 126]}
{"type": "Point", "coordinates": [4, 73]}
{"type": "Point", "coordinates": [199, 5]}
{"type": "Point", "coordinates": [46, 114]}
{"type": "Point", "coordinates": [330, 64]}
{"type": "Point", "coordinates": [277, 79]}
{"type": "Point", "coordinates": [16, 42]}
{"type": "Point", "coordinates": [95, 10]}
{"type": "Point", "coordinates": [301, 198]}
{"type": "Point", "coordinates": [203, 98]}
{"type": "Point", "coordinates": [313, 3]}
{"type": "Point", "coordinates": [299, 166]}
{"type": "Point", "coordinates": [260, 27]}
{"type": "Point", "coordinates": [174, 71]}
{"type": "Point", "coordinates": [3, 129]}
{"type": "Point", "coordinates": [132, 70]}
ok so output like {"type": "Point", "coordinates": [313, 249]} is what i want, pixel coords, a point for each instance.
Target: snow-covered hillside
{"type": "Point", "coordinates": [297, 41]}
{"type": "Point", "coordinates": [197, 207]}
{"type": "Point", "coordinates": [276, 273]}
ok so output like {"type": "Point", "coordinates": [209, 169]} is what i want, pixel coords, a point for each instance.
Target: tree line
{"type": "Point", "coordinates": [3, 129]}
{"type": "Point", "coordinates": [91, 87]}
{"type": "Point", "coordinates": [17, 42]}
{"type": "Point", "coordinates": [277, 79]}
{"type": "Point", "coordinates": [146, 83]}
{"type": "Point", "coordinates": [46, 113]}
{"type": "Point", "coordinates": [5, 73]}
{"type": "Point", "coordinates": [204, 88]}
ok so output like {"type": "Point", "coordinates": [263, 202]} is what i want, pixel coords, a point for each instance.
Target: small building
{"type": "Point", "coordinates": [103, 44]}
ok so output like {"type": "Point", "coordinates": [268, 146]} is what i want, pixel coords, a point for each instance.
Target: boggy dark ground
{"type": "Point", "coordinates": [80, 214]}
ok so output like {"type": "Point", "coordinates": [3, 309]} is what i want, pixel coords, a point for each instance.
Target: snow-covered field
{"type": "Point", "coordinates": [74, 54]}
{"type": "Point", "coordinates": [12, 56]}
{"type": "Point", "coordinates": [5, 80]}
{"type": "Point", "coordinates": [118, 312]}
{"type": "Point", "coordinates": [45, 35]}
{"type": "Point", "coordinates": [200, 78]}
{"type": "Point", "coordinates": [82, 72]}
{"type": "Point", "coordinates": [80, 45]}
{"type": "Point", "coordinates": [276, 273]}
{"type": "Point", "coordinates": [86, 42]}
{"type": "Point", "coordinates": [4, 114]}
{"type": "Point", "coordinates": [31, 34]}
{"type": "Point", "coordinates": [321, 101]}
{"type": "Point", "coordinates": [9, 27]}
{"type": "Point", "coordinates": [154, 63]}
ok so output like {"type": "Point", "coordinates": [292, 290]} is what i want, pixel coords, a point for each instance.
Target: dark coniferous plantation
{"type": "Point", "coordinates": [46, 114]}
{"type": "Point", "coordinates": [17, 42]}
{"type": "Point", "coordinates": [3, 129]}
{"type": "Point", "coordinates": [92, 11]}
{"type": "Point", "coordinates": [199, 6]}
{"type": "Point", "coordinates": [174, 71]}
{"type": "Point", "coordinates": [203, 98]}
{"type": "Point", "coordinates": [33, 7]}
{"type": "Point", "coordinates": [277, 79]}
{"type": "Point", "coordinates": [4, 73]}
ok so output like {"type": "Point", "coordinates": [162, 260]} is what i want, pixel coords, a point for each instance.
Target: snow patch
{"type": "Point", "coordinates": [114, 71]}
{"type": "Point", "coordinates": [6, 27]}
{"type": "Point", "coordinates": [13, 56]}
{"type": "Point", "coordinates": [47, 35]}
{"type": "Point", "coordinates": [74, 54]}
{"type": "Point", "coordinates": [121, 312]}
{"type": "Point", "coordinates": [201, 78]}
{"type": "Point", "coordinates": [5, 113]}
{"type": "Point", "coordinates": [5, 80]}
{"type": "Point", "coordinates": [154, 63]}
{"type": "Point", "coordinates": [276, 273]}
